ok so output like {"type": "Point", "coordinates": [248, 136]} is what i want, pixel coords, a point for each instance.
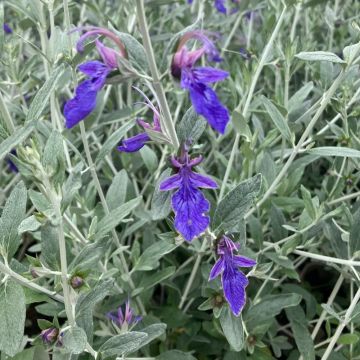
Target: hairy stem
{"type": "Point", "coordinates": [167, 120]}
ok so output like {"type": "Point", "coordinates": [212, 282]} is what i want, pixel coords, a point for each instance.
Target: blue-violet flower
{"type": "Point", "coordinates": [196, 79]}
{"type": "Point", "coordinates": [124, 320]}
{"type": "Point", "coordinates": [7, 29]}
{"type": "Point", "coordinates": [84, 102]}
{"type": "Point", "coordinates": [233, 280]}
{"type": "Point", "coordinates": [136, 142]}
{"type": "Point", "coordinates": [188, 202]}
{"type": "Point", "coordinates": [49, 335]}
{"type": "Point", "coordinates": [11, 164]}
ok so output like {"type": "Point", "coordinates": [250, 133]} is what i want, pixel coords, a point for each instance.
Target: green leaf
{"type": "Point", "coordinates": [50, 254]}
{"type": "Point", "coordinates": [149, 259]}
{"type": "Point", "coordinates": [15, 139]}
{"type": "Point", "coordinates": [29, 224]}
{"type": "Point", "coordinates": [301, 332]}
{"type": "Point", "coordinates": [86, 303]}
{"type": "Point", "coordinates": [278, 119]}
{"type": "Point", "coordinates": [53, 158]}
{"type": "Point", "coordinates": [191, 126]}
{"type": "Point", "coordinates": [71, 187]}
{"type": "Point", "coordinates": [114, 218]}
{"type": "Point", "coordinates": [153, 331]}
{"type": "Point", "coordinates": [12, 317]}
{"type": "Point", "coordinates": [320, 56]}
{"type": "Point", "coordinates": [122, 344]}
{"type": "Point", "coordinates": [161, 200]}
{"type": "Point", "coordinates": [149, 158]}
{"type": "Point", "coordinates": [113, 140]}
{"type": "Point", "coordinates": [42, 97]}
{"type": "Point", "coordinates": [175, 355]}
{"type": "Point", "coordinates": [75, 340]}
{"type": "Point", "coordinates": [309, 206]}
{"type": "Point", "coordinates": [296, 101]}
{"type": "Point", "coordinates": [348, 339]}
{"type": "Point", "coordinates": [351, 52]}
{"type": "Point", "coordinates": [268, 308]}
{"type": "Point", "coordinates": [241, 126]}
{"type": "Point", "coordinates": [233, 207]}
{"type": "Point", "coordinates": [116, 194]}
{"type": "Point", "coordinates": [354, 239]}
{"type": "Point", "coordinates": [2, 32]}
{"type": "Point", "coordinates": [149, 281]}
{"type": "Point", "coordinates": [12, 216]}
{"type": "Point", "coordinates": [232, 328]}
{"type": "Point", "coordinates": [335, 151]}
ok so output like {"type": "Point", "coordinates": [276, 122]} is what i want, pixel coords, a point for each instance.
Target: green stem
{"type": "Point", "coordinates": [325, 101]}
{"type": "Point", "coordinates": [193, 273]}
{"type": "Point", "coordinates": [29, 284]}
{"type": "Point", "coordinates": [6, 115]}
{"type": "Point", "coordinates": [106, 210]}
{"type": "Point", "coordinates": [249, 98]}
{"type": "Point", "coordinates": [167, 121]}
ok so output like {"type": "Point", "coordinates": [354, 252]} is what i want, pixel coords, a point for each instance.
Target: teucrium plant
{"type": "Point", "coordinates": [140, 251]}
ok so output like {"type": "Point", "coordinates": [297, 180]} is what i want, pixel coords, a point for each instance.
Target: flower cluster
{"type": "Point", "coordinates": [196, 79]}
{"type": "Point", "coordinates": [189, 203]}
{"type": "Point", "coordinates": [125, 319]}
{"type": "Point", "coordinates": [84, 101]}
{"type": "Point", "coordinates": [233, 280]}
{"type": "Point", "coordinates": [220, 5]}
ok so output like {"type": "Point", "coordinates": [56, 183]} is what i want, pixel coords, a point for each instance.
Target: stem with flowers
{"type": "Point", "coordinates": [167, 120]}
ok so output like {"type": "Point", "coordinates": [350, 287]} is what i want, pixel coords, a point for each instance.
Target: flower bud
{"type": "Point", "coordinates": [76, 282]}
{"type": "Point", "coordinates": [49, 335]}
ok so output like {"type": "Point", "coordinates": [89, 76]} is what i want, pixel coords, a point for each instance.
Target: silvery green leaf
{"type": "Point", "coordinates": [113, 140]}
{"type": "Point", "coordinates": [354, 239]}
{"type": "Point", "coordinates": [335, 151]}
{"type": "Point", "coordinates": [153, 331]}
{"type": "Point", "coordinates": [161, 200]}
{"type": "Point", "coordinates": [241, 126]}
{"type": "Point", "coordinates": [320, 56]}
{"type": "Point", "coordinates": [149, 158]}
{"type": "Point", "coordinates": [12, 317]}
{"type": "Point", "coordinates": [71, 187]}
{"type": "Point", "coordinates": [266, 310]}
{"type": "Point", "coordinates": [29, 224]}
{"type": "Point", "coordinates": [74, 340]}
{"type": "Point", "coordinates": [114, 218]}
{"type": "Point", "coordinates": [12, 216]}
{"type": "Point", "coordinates": [86, 303]}
{"type": "Point", "coordinates": [331, 311]}
{"type": "Point", "coordinates": [15, 139]}
{"type": "Point", "coordinates": [233, 207]}
{"type": "Point", "coordinates": [42, 97]}
{"type": "Point", "coordinates": [232, 328]}
{"type": "Point", "coordinates": [191, 126]}
{"type": "Point", "coordinates": [297, 100]}
{"type": "Point", "coordinates": [351, 52]}
{"type": "Point", "coordinates": [175, 355]}
{"type": "Point", "coordinates": [50, 253]}
{"type": "Point", "coordinates": [299, 326]}
{"type": "Point", "coordinates": [278, 119]}
{"type": "Point", "coordinates": [116, 193]}
{"type": "Point", "coordinates": [149, 259]}
{"type": "Point", "coordinates": [120, 345]}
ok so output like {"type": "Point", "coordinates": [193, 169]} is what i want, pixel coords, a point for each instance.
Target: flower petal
{"type": "Point", "coordinates": [172, 182]}
{"type": "Point", "coordinates": [243, 261]}
{"type": "Point", "coordinates": [217, 269]}
{"type": "Point", "coordinates": [134, 143]}
{"type": "Point", "coordinates": [108, 55]}
{"type": "Point", "coordinates": [94, 69]}
{"type": "Point", "coordinates": [209, 74]}
{"type": "Point", "coordinates": [220, 6]}
{"type": "Point", "coordinates": [207, 104]}
{"type": "Point", "coordinates": [80, 106]}
{"type": "Point", "coordinates": [202, 181]}
{"type": "Point", "coordinates": [234, 283]}
{"type": "Point", "coordinates": [190, 206]}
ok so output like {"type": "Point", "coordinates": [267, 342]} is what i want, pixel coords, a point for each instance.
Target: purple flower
{"type": "Point", "coordinates": [136, 142]}
{"type": "Point", "coordinates": [10, 163]}
{"type": "Point", "coordinates": [196, 79]}
{"type": "Point", "coordinates": [244, 54]}
{"type": "Point", "coordinates": [49, 335]}
{"type": "Point", "coordinates": [233, 280]}
{"type": "Point", "coordinates": [125, 320]}
{"type": "Point", "coordinates": [7, 28]}
{"type": "Point", "coordinates": [188, 202]}
{"type": "Point", "coordinates": [84, 101]}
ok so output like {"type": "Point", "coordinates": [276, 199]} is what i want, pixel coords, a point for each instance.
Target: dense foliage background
{"type": "Point", "coordinates": [293, 94]}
